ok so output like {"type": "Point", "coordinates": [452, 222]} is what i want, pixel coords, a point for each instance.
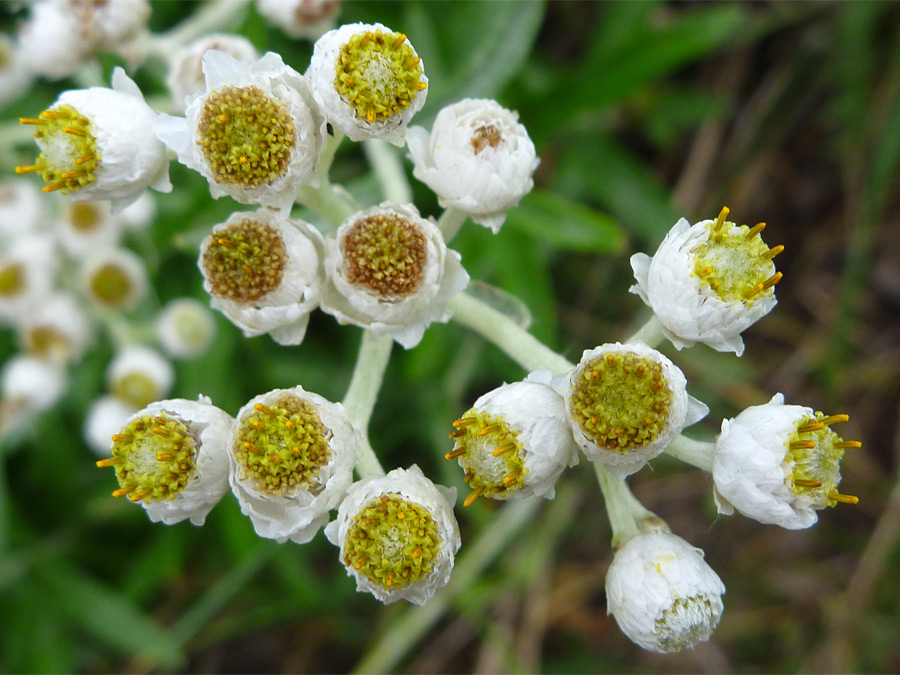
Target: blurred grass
{"type": "Point", "coordinates": [642, 113]}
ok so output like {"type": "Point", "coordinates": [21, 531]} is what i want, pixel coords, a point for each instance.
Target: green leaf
{"type": "Point", "coordinates": [566, 224]}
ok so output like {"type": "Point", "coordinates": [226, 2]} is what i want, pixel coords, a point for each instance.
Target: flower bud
{"type": "Point", "coordinates": [300, 18]}
{"type": "Point", "coordinates": [57, 330]}
{"type": "Point", "coordinates": [105, 417]}
{"type": "Point", "coordinates": [185, 328]}
{"type": "Point", "coordinates": [139, 375]}
{"type": "Point", "coordinates": [27, 271]}
{"type": "Point", "coordinates": [114, 278]}
{"type": "Point", "coordinates": [87, 226]}
{"type": "Point", "coordinates": [186, 76]}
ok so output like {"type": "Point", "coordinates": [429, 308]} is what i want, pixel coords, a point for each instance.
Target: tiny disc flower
{"type": "Point", "coordinates": [626, 403]}
{"type": "Point", "coordinates": [779, 464]}
{"type": "Point", "coordinates": [292, 455]}
{"type": "Point", "coordinates": [708, 282]}
{"type": "Point", "coordinates": [662, 593]}
{"type": "Point", "coordinates": [99, 143]}
{"type": "Point", "coordinates": [171, 457]}
{"type": "Point", "coordinates": [254, 133]}
{"type": "Point", "coordinates": [57, 330]}
{"type": "Point", "coordinates": [186, 76]}
{"type": "Point", "coordinates": [264, 272]}
{"type": "Point", "coordinates": [114, 278]}
{"type": "Point", "coordinates": [185, 328]}
{"type": "Point", "coordinates": [515, 441]}
{"type": "Point", "coordinates": [478, 159]}
{"type": "Point", "coordinates": [368, 81]}
{"type": "Point", "coordinates": [388, 269]}
{"type": "Point", "coordinates": [397, 535]}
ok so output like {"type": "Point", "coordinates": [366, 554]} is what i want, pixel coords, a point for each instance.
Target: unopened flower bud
{"type": "Point", "coordinates": [57, 330]}
{"type": "Point", "coordinates": [139, 375]}
{"type": "Point", "coordinates": [114, 278]}
{"type": "Point", "coordinates": [186, 76]}
{"type": "Point", "coordinates": [300, 18]}
{"type": "Point", "coordinates": [27, 271]}
{"type": "Point", "coordinates": [185, 327]}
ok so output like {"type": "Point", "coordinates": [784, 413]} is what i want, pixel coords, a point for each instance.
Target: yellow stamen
{"type": "Point", "coordinates": [121, 492]}
{"type": "Point", "coordinates": [421, 86]}
{"type": "Point", "coordinates": [510, 478]}
{"type": "Point", "coordinates": [488, 429]}
{"type": "Point", "coordinates": [31, 120]}
{"type": "Point", "coordinates": [808, 483]}
{"type": "Point", "coordinates": [160, 431]}
{"type": "Point", "coordinates": [75, 131]}
{"type": "Point", "coordinates": [138, 496]}
{"type": "Point", "coordinates": [249, 447]}
{"type": "Point", "coordinates": [810, 426]}
{"type": "Point", "coordinates": [164, 457]}
{"type": "Point", "coordinates": [834, 419]}
{"type": "Point", "coordinates": [475, 494]}
{"type": "Point", "coordinates": [464, 422]}
{"type": "Point", "coordinates": [122, 438]}
{"type": "Point", "coordinates": [453, 454]}
{"type": "Point", "coordinates": [53, 187]}
{"type": "Point", "coordinates": [109, 461]}
{"type": "Point", "coordinates": [802, 445]}
{"type": "Point", "coordinates": [261, 407]}
{"type": "Point", "coordinates": [507, 447]}
{"type": "Point", "coordinates": [848, 444]}
{"type": "Point", "coordinates": [772, 252]}
{"type": "Point", "coordinates": [28, 169]}
{"type": "Point", "coordinates": [54, 115]}
{"type": "Point", "coordinates": [772, 280]}
{"type": "Point", "coordinates": [755, 230]}
{"type": "Point", "coordinates": [412, 62]}
{"type": "Point", "coordinates": [457, 433]}
{"type": "Point", "coordinates": [844, 499]}
{"type": "Point", "coordinates": [399, 40]}
{"type": "Point", "coordinates": [416, 553]}
{"type": "Point", "coordinates": [720, 219]}
{"type": "Point", "coordinates": [705, 272]}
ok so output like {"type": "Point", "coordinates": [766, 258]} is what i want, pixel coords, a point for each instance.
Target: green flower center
{"type": "Point", "coordinates": [70, 157]}
{"type": "Point", "coordinates": [154, 456]}
{"type": "Point", "coordinates": [12, 279]}
{"type": "Point", "coordinates": [735, 263]}
{"type": "Point", "coordinates": [686, 623]}
{"type": "Point", "coordinates": [377, 74]}
{"type": "Point", "coordinates": [282, 447]}
{"type": "Point", "coordinates": [490, 453]}
{"type": "Point", "coordinates": [246, 136]}
{"type": "Point", "coordinates": [84, 216]}
{"type": "Point", "coordinates": [245, 261]}
{"type": "Point", "coordinates": [46, 342]}
{"type": "Point", "coordinates": [813, 457]}
{"type": "Point", "coordinates": [112, 285]}
{"type": "Point", "coordinates": [621, 400]}
{"type": "Point", "coordinates": [484, 136]}
{"type": "Point", "coordinates": [392, 541]}
{"type": "Point", "coordinates": [137, 389]}
{"type": "Point", "coordinates": [385, 254]}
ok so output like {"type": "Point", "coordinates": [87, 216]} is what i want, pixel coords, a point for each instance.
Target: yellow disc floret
{"type": "Point", "coordinates": [70, 156]}
{"type": "Point", "coordinates": [385, 254]}
{"type": "Point", "coordinates": [813, 458]}
{"type": "Point", "coordinates": [392, 541]}
{"type": "Point", "coordinates": [621, 400]}
{"type": "Point", "coordinates": [154, 457]}
{"type": "Point", "coordinates": [85, 217]}
{"type": "Point", "coordinates": [111, 285]}
{"type": "Point", "coordinates": [245, 261]}
{"type": "Point", "coordinates": [246, 136]}
{"type": "Point", "coordinates": [12, 279]}
{"type": "Point", "coordinates": [490, 453]}
{"type": "Point", "coordinates": [734, 262]}
{"type": "Point", "coordinates": [377, 73]}
{"type": "Point", "coordinates": [687, 622]}
{"type": "Point", "coordinates": [282, 447]}
{"type": "Point", "coordinates": [137, 389]}
{"type": "Point", "coordinates": [484, 136]}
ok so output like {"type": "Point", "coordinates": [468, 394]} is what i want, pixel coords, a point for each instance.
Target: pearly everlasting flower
{"type": "Point", "coordinates": [185, 328]}
{"type": "Point", "coordinates": [138, 375]}
{"type": "Point", "coordinates": [186, 76]}
{"type": "Point", "coordinates": [51, 40]}
{"type": "Point", "coordinates": [106, 416]}
{"type": "Point", "coordinates": [626, 403]}
{"type": "Point", "coordinates": [21, 209]}
{"type": "Point", "coordinates": [368, 81]}
{"type": "Point", "coordinates": [87, 226]}
{"type": "Point", "coordinates": [114, 278]}
{"type": "Point", "coordinates": [515, 441]}
{"type": "Point", "coordinates": [115, 25]}
{"type": "Point", "coordinates": [708, 282]}
{"type": "Point", "coordinates": [264, 273]}
{"type": "Point", "coordinates": [27, 271]}
{"type": "Point", "coordinates": [254, 133]}
{"type": "Point", "coordinates": [478, 159]}
{"type": "Point", "coordinates": [15, 76]}
{"type": "Point", "coordinates": [779, 464]}
{"type": "Point", "coordinates": [57, 330]}
{"type": "Point", "coordinates": [30, 384]}
{"type": "Point", "coordinates": [300, 18]}
{"type": "Point", "coordinates": [662, 593]}
{"type": "Point", "coordinates": [99, 143]}
{"type": "Point", "coordinates": [388, 269]}
{"type": "Point", "coordinates": [397, 535]}
{"type": "Point", "coordinates": [171, 457]}
{"type": "Point", "coordinates": [292, 455]}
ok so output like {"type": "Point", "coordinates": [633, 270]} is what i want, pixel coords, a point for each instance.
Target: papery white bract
{"type": "Point", "coordinates": [398, 536]}
{"type": "Point", "coordinates": [368, 81]}
{"type": "Point", "coordinates": [292, 454]}
{"type": "Point", "coordinates": [779, 464]}
{"type": "Point", "coordinates": [264, 272]}
{"type": "Point", "coordinates": [478, 159]}
{"type": "Point", "coordinates": [186, 76]}
{"type": "Point", "coordinates": [708, 282]}
{"type": "Point", "coordinates": [106, 416]}
{"type": "Point", "coordinates": [662, 593]}
{"type": "Point", "coordinates": [388, 269]}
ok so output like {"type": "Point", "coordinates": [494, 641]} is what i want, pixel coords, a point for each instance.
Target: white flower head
{"type": "Point", "coordinates": [21, 209]}
{"type": "Point", "coordinates": [51, 40]}
{"type": "Point", "coordinates": [116, 25]}
{"type": "Point", "coordinates": [186, 76]}
{"type": "Point", "coordinates": [139, 375]}
{"type": "Point", "coordinates": [57, 330]}
{"type": "Point", "coordinates": [15, 76]}
{"type": "Point", "coordinates": [31, 384]}
{"type": "Point", "coordinates": [300, 18]}
{"type": "Point", "coordinates": [264, 272]}
{"type": "Point", "coordinates": [389, 269]}
{"type": "Point", "coordinates": [106, 416]}
{"type": "Point", "coordinates": [292, 455]}
{"type": "Point", "coordinates": [478, 159]}
{"type": "Point", "coordinates": [171, 457]}
{"type": "Point", "coordinates": [87, 226]}
{"type": "Point", "coordinates": [626, 403]}
{"type": "Point", "coordinates": [27, 271]}
{"type": "Point", "coordinates": [368, 81]}
{"type": "Point", "coordinates": [779, 464]}
{"type": "Point", "coordinates": [515, 441]}
{"type": "Point", "coordinates": [114, 278]}
{"type": "Point", "coordinates": [185, 328]}
{"type": "Point", "coordinates": [254, 133]}
{"type": "Point", "coordinates": [708, 282]}
{"type": "Point", "coordinates": [662, 593]}
{"type": "Point", "coordinates": [99, 143]}
{"type": "Point", "coordinates": [398, 535]}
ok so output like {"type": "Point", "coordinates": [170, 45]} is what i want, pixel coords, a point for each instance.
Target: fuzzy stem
{"type": "Point", "coordinates": [450, 222]}
{"type": "Point", "coordinates": [388, 166]}
{"type": "Point", "coordinates": [625, 512]}
{"type": "Point", "coordinates": [651, 333]}
{"type": "Point", "coordinates": [519, 344]}
{"type": "Point", "coordinates": [368, 374]}
{"type": "Point", "coordinates": [696, 453]}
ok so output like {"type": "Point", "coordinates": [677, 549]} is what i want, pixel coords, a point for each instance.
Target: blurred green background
{"type": "Point", "coordinates": [642, 112]}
